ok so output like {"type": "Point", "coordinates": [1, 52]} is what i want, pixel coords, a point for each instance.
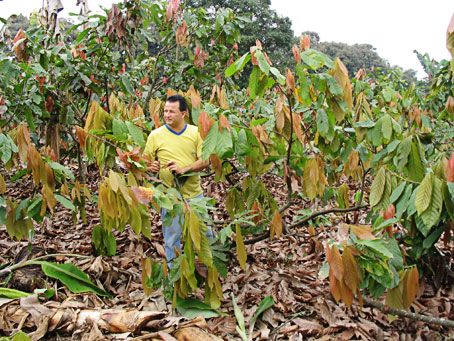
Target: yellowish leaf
{"type": "Point", "coordinates": [363, 231]}
{"type": "Point", "coordinates": [340, 73]}
{"type": "Point", "coordinates": [343, 193]}
{"type": "Point", "coordinates": [311, 178]}
{"type": "Point", "coordinates": [204, 253]}
{"type": "Point", "coordinates": [424, 194]}
{"type": "Point", "coordinates": [2, 185]}
{"type": "Point", "coordinates": [276, 224]}
{"type": "Point", "coordinates": [49, 196]}
{"type": "Point", "coordinates": [193, 227]}
{"type": "Point", "coordinates": [146, 273]}
{"type": "Point", "coordinates": [240, 249]}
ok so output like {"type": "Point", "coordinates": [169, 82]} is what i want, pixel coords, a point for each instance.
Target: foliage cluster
{"type": "Point", "coordinates": [315, 127]}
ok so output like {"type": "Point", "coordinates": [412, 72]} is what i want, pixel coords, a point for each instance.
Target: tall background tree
{"type": "Point", "coordinates": [274, 31]}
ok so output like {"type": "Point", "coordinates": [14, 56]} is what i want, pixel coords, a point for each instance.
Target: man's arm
{"type": "Point", "coordinates": [196, 166]}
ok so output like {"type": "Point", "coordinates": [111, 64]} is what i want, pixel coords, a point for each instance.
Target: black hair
{"type": "Point", "coordinates": [180, 99]}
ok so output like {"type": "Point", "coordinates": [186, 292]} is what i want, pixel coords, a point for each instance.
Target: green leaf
{"type": "Point", "coordinates": [266, 303]}
{"type": "Point", "coordinates": [21, 336]}
{"type": "Point", "coordinates": [403, 151]}
{"type": "Point", "coordinates": [12, 293]}
{"type": "Point", "coordinates": [364, 124]}
{"type": "Point", "coordinates": [396, 193]}
{"type": "Point", "coordinates": [279, 76]}
{"type": "Point", "coordinates": [451, 189]}
{"type": "Point", "coordinates": [404, 201]}
{"type": "Point", "coordinates": [127, 84]}
{"type": "Point", "coordinates": [224, 143]}
{"type": "Point", "coordinates": [238, 65]}
{"type": "Point", "coordinates": [424, 194]}
{"type": "Point", "coordinates": [241, 329]}
{"type": "Point", "coordinates": [71, 276]}
{"type": "Point", "coordinates": [136, 133]}
{"type": "Point", "coordinates": [377, 188]}
{"type": "Point", "coordinates": [431, 215]}
{"type": "Point", "coordinates": [415, 164]}
{"type": "Point", "coordinates": [387, 127]}
{"type": "Point", "coordinates": [5, 148]}
{"type": "Point", "coordinates": [191, 308]}
{"type": "Point", "coordinates": [254, 82]}
{"type": "Point", "coordinates": [211, 140]}
{"type": "Point", "coordinates": [119, 128]}
{"type": "Point", "coordinates": [263, 63]}
{"type": "Point", "coordinates": [388, 94]}
{"type": "Point", "coordinates": [376, 245]}
{"type": "Point", "coordinates": [375, 134]}
{"type": "Point", "coordinates": [63, 169]}
{"type": "Point", "coordinates": [65, 202]}
{"type": "Point", "coordinates": [322, 122]}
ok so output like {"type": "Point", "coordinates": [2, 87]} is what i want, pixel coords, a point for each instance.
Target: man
{"type": "Point", "coordinates": [177, 146]}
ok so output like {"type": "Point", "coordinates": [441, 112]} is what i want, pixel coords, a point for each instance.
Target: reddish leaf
{"type": "Point", "coordinates": [20, 49]}
{"type": "Point", "coordinates": [411, 286]}
{"type": "Point", "coordinates": [334, 286]}
{"type": "Point", "coordinates": [205, 123]}
{"type": "Point", "coordinates": [450, 177]}
{"type": "Point", "coordinates": [296, 53]}
{"type": "Point", "coordinates": [290, 80]}
{"type": "Point", "coordinates": [216, 164]}
{"type": "Point", "coordinates": [224, 123]}
{"type": "Point", "coordinates": [336, 263]}
{"type": "Point", "coordinates": [144, 195]}
{"type": "Point", "coordinates": [351, 272]}
{"type": "Point", "coordinates": [276, 224]}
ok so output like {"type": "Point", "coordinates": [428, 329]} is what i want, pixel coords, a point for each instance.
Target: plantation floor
{"type": "Point", "coordinates": [286, 268]}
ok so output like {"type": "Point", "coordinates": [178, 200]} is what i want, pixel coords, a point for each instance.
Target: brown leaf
{"type": "Point", "coordinates": [20, 46]}
{"type": "Point", "coordinates": [276, 224]}
{"type": "Point", "coordinates": [363, 231]}
{"type": "Point", "coordinates": [296, 53]}
{"type": "Point", "coordinates": [290, 80]}
{"type": "Point", "coordinates": [224, 123]}
{"type": "Point", "coordinates": [336, 263]}
{"type": "Point", "coordinates": [308, 327]}
{"type": "Point", "coordinates": [279, 114]}
{"type": "Point", "coordinates": [411, 286]}
{"type": "Point", "coordinates": [205, 122]}
{"type": "Point", "coordinates": [351, 279]}
{"type": "Point", "coordinates": [216, 164]}
{"type": "Point", "coordinates": [143, 194]}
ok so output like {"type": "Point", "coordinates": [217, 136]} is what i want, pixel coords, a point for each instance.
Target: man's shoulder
{"type": "Point", "coordinates": [192, 129]}
{"type": "Point", "coordinates": [158, 131]}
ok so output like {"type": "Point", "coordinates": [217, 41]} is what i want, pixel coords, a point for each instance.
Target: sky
{"type": "Point", "coordinates": [394, 27]}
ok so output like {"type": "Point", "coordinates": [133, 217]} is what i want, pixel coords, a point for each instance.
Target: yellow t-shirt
{"type": "Point", "coordinates": [184, 148]}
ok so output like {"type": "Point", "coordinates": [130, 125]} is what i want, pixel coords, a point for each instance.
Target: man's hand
{"type": "Point", "coordinates": [155, 166]}
{"type": "Point", "coordinates": [173, 167]}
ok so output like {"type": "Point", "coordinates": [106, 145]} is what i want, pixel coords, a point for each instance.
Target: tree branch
{"type": "Point", "coordinates": [404, 313]}
{"type": "Point", "coordinates": [330, 210]}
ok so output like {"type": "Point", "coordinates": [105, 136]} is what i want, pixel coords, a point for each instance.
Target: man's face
{"type": "Point", "coordinates": [172, 114]}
